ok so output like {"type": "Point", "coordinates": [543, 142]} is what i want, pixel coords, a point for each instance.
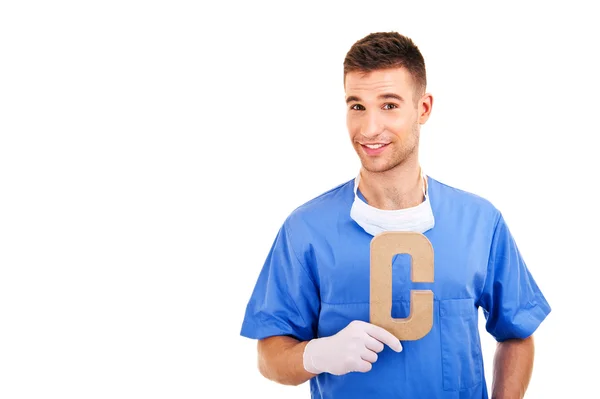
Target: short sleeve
{"type": "Point", "coordinates": [285, 298]}
{"type": "Point", "coordinates": [512, 302]}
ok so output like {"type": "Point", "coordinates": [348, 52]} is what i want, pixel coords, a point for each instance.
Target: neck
{"type": "Point", "coordinates": [397, 188]}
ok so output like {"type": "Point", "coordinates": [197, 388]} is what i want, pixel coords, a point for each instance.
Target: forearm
{"type": "Point", "coordinates": [280, 359]}
{"type": "Point", "coordinates": [513, 365]}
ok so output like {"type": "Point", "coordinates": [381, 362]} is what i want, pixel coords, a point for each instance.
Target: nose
{"type": "Point", "coordinates": [372, 125]}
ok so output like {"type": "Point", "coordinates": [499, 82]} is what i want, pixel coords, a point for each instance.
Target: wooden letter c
{"type": "Point", "coordinates": [383, 248]}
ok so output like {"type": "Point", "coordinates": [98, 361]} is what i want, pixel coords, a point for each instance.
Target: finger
{"type": "Point", "coordinates": [363, 366]}
{"type": "Point", "coordinates": [369, 356]}
{"type": "Point", "coordinates": [384, 336]}
{"type": "Point", "coordinates": [374, 345]}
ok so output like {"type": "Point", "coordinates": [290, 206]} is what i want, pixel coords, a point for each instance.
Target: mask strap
{"type": "Point", "coordinates": [356, 181]}
{"type": "Point", "coordinates": [424, 183]}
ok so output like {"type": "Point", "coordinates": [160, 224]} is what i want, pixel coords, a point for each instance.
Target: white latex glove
{"type": "Point", "coordinates": [354, 348]}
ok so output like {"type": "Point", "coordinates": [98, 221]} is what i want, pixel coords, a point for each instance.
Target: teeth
{"type": "Point", "coordinates": [374, 146]}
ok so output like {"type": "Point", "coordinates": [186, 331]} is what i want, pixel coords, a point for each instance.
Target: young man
{"type": "Point", "coordinates": [310, 306]}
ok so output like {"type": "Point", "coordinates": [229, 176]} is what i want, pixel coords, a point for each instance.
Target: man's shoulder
{"type": "Point", "coordinates": [324, 205]}
{"type": "Point", "coordinates": [457, 197]}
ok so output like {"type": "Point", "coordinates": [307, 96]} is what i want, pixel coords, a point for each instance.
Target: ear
{"type": "Point", "coordinates": [425, 105]}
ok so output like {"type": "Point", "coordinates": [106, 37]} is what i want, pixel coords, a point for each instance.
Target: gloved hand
{"type": "Point", "coordinates": [354, 348]}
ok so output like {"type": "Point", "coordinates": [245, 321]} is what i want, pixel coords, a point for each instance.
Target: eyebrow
{"type": "Point", "coordinates": [384, 96]}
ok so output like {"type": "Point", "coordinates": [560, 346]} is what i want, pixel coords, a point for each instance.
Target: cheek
{"type": "Point", "coordinates": [352, 124]}
{"type": "Point", "coordinates": [399, 124]}
{"type": "Point", "coordinates": [396, 121]}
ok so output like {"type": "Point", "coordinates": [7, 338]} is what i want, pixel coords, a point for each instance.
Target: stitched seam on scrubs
{"type": "Point", "coordinates": [303, 269]}
{"type": "Point", "coordinates": [491, 258]}
{"type": "Point", "coordinates": [289, 232]}
{"type": "Point", "coordinates": [407, 300]}
{"type": "Point", "coordinates": [267, 328]}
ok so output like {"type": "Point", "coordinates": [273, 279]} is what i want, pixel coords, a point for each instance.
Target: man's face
{"type": "Point", "coordinates": [383, 117]}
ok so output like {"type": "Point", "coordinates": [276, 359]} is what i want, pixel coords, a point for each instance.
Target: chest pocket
{"type": "Point", "coordinates": [461, 351]}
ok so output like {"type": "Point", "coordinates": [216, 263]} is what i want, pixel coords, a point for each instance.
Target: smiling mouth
{"type": "Point", "coordinates": [374, 149]}
{"type": "Point", "coordinates": [373, 146]}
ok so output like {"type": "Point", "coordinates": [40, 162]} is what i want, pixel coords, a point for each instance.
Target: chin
{"type": "Point", "coordinates": [380, 165]}
{"type": "Point", "coordinates": [377, 168]}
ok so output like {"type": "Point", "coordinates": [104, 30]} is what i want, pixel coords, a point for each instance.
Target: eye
{"type": "Point", "coordinates": [357, 107]}
{"type": "Point", "coordinates": [390, 106]}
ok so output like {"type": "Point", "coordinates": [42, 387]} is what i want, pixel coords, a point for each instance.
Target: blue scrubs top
{"type": "Point", "coordinates": [316, 280]}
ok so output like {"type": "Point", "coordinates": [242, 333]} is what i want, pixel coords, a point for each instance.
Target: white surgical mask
{"type": "Point", "coordinates": [417, 219]}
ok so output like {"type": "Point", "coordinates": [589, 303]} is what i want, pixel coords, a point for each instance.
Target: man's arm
{"type": "Point", "coordinates": [354, 348]}
{"type": "Point", "coordinates": [513, 365]}
{"type": "Point", "coordinates": [280, 359]}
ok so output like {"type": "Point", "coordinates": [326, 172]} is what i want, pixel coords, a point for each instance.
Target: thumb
{"type": "Point", "coordinates": [385, 337]}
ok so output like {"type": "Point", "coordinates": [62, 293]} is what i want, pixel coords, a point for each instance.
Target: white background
{"type": "Point", "coordinates": [149, 151]}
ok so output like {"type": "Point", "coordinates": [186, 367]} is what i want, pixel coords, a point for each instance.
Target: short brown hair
{"type": "Point", "coordinates": [384, 50]}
